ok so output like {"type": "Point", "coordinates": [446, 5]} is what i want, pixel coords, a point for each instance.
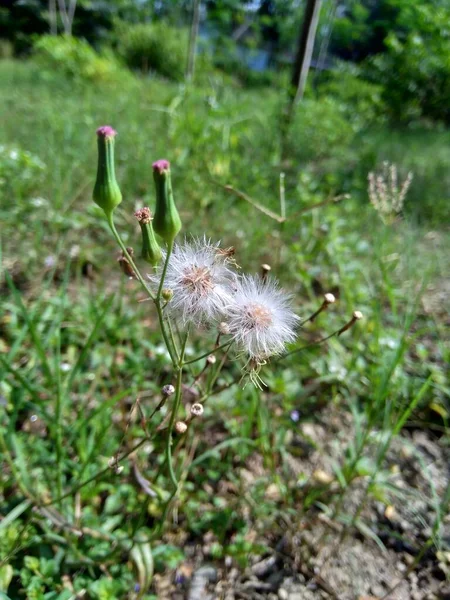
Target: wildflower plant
{"type": "Point", "coordinates": [386, 194]}
{"type": "Point", "coordinates": [195, 284]}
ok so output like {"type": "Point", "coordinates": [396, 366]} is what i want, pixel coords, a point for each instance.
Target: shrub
{"type": "Point", "coordinates": [415, 69]}
{"type": "Point", "coordinates": [6, 49]}
{"type": "Point", "coordinates": [77, 59]}
{"type": "Point", "coordinates": [360, 100]}
{"type": "Point", "coordinates": [153, 47]}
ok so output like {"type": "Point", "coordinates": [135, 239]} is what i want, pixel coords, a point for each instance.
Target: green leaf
{"type": "Point", "coordinates": [6, 574]}
{"type": "Point", "coordinates": [14, 514]}
{"type": "Point", "coordinates": [141, 555]}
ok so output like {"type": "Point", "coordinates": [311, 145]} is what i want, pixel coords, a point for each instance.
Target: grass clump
{"type": "Point", "coordinates": [77, 59]}
{"type": "Point", "coordinates": [156, 47]}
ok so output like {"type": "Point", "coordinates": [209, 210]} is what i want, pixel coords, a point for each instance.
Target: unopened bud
{"type": "Point", "coordinates": [357, 315]}
{"type": "Point", "coordinates": [167, 294]}
{"type": "Point", "coordinates": [168, 390]}
{"type": "Point", "coordinates": [151, 252]}
{"type": "Point", "coordinates": [197, 409]}
{"type": "Point", "coordinates": [166, 222]}
{"type": "Point", "coordinates": [106, 193]}
{"type": "Point", "coordinates": [211, 359]}
{"type": "Point", "coordinates": [180, 427]}
{"type": "Point", "coordinates": [224, 328]}
{"type": "Point", "coordinates": [330, 298]}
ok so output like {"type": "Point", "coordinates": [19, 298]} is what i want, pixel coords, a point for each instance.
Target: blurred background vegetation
{"type": "Point", "coordinates": [336, 434]}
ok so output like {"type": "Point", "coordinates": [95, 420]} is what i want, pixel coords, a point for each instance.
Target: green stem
{"type": "Point", "coordinates": [172, 339]}
{"type": "Point", "coordinates": [206, 354]}
{"type": "Point", "coordinates": [176, 405]}
{"type": "Point", "coordinates": [142, 281]}
{"type": "Point", "coordinates": [97, 475]}
{"type": "Point", "coordinates": [58, 419]}
{"type": "Point", "coordinates": [172, 351]}
{"type": "Point", "coordinates": [164, 271]}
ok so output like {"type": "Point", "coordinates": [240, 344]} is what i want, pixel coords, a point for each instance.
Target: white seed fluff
{"type": "Point", "coordinates": [260, 318]}
{"type": "Point", "coordinates": [201, 281]}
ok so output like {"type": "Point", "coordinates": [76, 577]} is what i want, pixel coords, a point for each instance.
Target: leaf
{"type": "Point", "coordinates": [141, 555]}
{"type": "Point", "coordinates": [368, 533]}
{"type": "Point", "coordinates": [6, 574]}
{"type": "Point", "coordinates": [14, 514]}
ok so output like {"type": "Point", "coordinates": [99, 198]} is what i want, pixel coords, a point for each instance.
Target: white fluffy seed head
{"type": "Point", "coordinates": [201, 281]}
{"type": "Point", "coordinates": [260, 318]}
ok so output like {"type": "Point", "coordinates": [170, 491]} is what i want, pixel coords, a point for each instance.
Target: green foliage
{"type": "Point", "coordinates": [77, 59]}
{"type": "Point", "coordinates": [415, 69]}
{"type": "Point", "coordinates": [406, 48]}
{"type": "Point", "coordinates": [21, 172]}
{"type": "Point", "coordinates": [154, 47]}
{"type": "Point", "coordinates": [359, 100]}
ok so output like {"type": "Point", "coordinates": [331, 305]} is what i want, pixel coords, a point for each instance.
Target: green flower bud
{"type": "Point", "coordinates": [167, 222]}
{"type": "Point", "coordinates": [167, 294]}
{"type": "Point", "coordinates": [151, 252]}
{"type": "Point", "coordinates": [107, 193]}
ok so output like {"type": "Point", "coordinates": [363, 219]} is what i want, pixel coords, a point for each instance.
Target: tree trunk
{"type": "Point", "coordinates": [67, 15]}
{"type": "Point", "coordinates": [300, 71]}
{"type": "Point", "coordinates": [52, 17]}
{"type": "Point", "coordinates": [304, 51]}
{"type": "Point", "coordinates": [190, 67]}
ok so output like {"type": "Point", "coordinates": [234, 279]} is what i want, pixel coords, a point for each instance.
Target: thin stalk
{"type": "Point", "coordinates": [97, 475]}
{"type": "Point", "coordinates": [142, 281]}
{"type": "Point", "coordinates": [206, 354]}
{"type": "Point", "coordinates": [172, 352]}
{"type": "Point", "coordinates": [176, 404]}
{"type": "Point", "coordinates": [164, 271]}
{"type": "Point", "coordinates": [216, 374]}
{"type": "Point", "coordinates": [172, 339]}
{"type": "Point", "coordinates": [58, 419]}
{"type": "Point", "coordinates": [115, 233]}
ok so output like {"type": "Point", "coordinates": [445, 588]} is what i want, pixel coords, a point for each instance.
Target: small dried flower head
{"type": "Point", "coordinates": [197, 409]}
{"type": "Point", "coordinates": [201, 281]}
{"type": "Point", "coordinates": [260, 318]}
{"type": "Point", "coordinates": [211, 360]}
{"type": "Point", "coordinates": [384, 192]}
{"type": "Point", "coordinates": [356, 316]}
{"type": "Point", "coordinates": [224, 328]}
{"type": "Point", "coordinates": [114, 465]}
{"type": "Point", "coordinates": [265, 270]}
{"type": "Point", "coordinates": [180, 427]}
{"type": "Point", "coordinates": [330, 298]}
{"type": "Point", "coordinates": [143, 215]}
{"type": "Point", "coordinates": [168, 390]}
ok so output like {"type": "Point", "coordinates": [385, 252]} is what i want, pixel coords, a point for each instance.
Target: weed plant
{"type": "Point", "coordinates": [87, 499]}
